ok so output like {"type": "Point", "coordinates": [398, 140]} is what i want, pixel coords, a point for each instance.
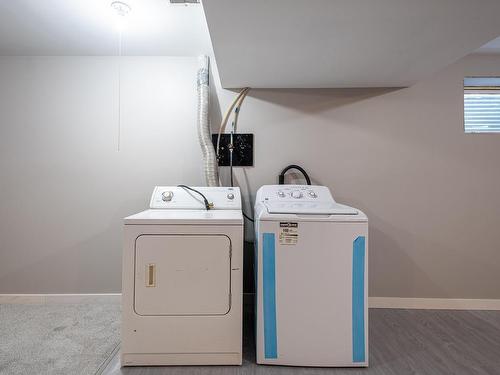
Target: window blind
{"type": "Point", "coordinates": [482, 112]}
{"type": "Point", "coordinates": [482, 105]}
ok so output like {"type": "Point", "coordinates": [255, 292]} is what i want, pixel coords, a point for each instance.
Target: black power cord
{"type": "Point", "coordinates": [293, 166]}
{"type": "Point", "coordinates": [247, 217]}
{"type": "Point", "coordinates": [231, 149]}
{"type": "Point", "coordinates": [208, 205]}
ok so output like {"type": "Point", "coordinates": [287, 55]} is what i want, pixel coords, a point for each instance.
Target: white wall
{"type": "Point", "coordinates": [429, 190]}
{"type": "Point", "coordinates": [65, 186]}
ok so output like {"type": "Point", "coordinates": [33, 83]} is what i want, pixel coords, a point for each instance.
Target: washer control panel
{"type": "Point", "coordinates": [301, 199]}
{"type": "Point", "coordinates": [296, 193]}
{"type": "Point", "coordinates": [175, 197]}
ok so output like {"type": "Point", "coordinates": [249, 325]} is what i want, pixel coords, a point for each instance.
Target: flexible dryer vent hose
{"type": "Point", "coordinates": [204, 134]}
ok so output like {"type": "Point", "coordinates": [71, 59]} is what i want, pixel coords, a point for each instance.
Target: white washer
{"type": "Point", "coordinates": [311, 278]}
{"type": "Point", "coordinates": [182, 280]}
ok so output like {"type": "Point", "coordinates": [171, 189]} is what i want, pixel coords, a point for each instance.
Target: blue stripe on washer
{"type": "Point", "coordinates": [358, 300]}
{"type": "Point", "coordinates": [269, 295]}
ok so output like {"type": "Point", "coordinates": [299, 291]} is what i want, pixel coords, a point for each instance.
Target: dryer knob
{"type": "Point", "coordinates": [296, 194]}
{"type": "Point", "coordinates": [167, 196]}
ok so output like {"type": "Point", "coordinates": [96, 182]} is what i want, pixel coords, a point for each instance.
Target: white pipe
{"type": "Point", "coordinates": [210, 169]}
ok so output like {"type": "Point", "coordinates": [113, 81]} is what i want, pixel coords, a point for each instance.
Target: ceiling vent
{"type": "Point", "coordinates": [184, 1]}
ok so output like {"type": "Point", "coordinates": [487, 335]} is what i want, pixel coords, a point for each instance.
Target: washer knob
{"type": "Point", "coordinates": [167, 196]}
{"type": "Point", "coordinates": [312, 194]}
{"type": "Point", "coordinates": [281, 194]}
{"type": "Point", "coordinates": [230, 196]}
{"type": "Point", "coordinates": [296, 194]}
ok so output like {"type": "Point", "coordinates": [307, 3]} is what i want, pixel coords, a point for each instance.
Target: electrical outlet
{"type": "Point", "coordinates": [242, 149]}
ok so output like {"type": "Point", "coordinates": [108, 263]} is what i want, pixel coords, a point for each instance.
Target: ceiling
{"type": "Point", "coordinates": [266, 43]}
{"type": "Point", "coordinates": [88, 27]}
{"type": "Point", "coordinates": [343, 43]}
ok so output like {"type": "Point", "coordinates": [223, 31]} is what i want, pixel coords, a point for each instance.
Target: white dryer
{"type": "Point", "coordinates": [182, 280]}
{"type": "Point", "coordinates": [311, 278]}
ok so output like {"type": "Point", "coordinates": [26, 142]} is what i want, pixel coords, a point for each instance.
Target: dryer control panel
{"type": "Point", "coordinates": [179, 198]}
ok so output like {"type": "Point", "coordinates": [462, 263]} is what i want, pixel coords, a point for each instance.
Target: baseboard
{"type": "Point", "coordinates": [373, 302]}
{"type": "Point", "coordinates": [433, 303]}
{"type": "Point", "coordinates": [40, 299]}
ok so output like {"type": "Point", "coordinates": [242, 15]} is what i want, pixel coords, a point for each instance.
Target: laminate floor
{"type": "Point", "coordinates": [402, 342]}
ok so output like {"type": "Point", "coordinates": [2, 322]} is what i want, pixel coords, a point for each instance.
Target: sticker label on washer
{"type": "Point", "coordinates": [289, 233]}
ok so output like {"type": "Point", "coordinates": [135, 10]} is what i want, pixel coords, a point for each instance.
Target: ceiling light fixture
{"type": "Point", "coordinates": [121, 8]}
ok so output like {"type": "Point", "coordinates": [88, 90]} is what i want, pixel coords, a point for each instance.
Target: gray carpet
{"type": "Point", "coordinates": [57, 338]}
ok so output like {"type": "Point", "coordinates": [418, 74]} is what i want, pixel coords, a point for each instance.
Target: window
{"type": "Point", "coordinates": [482, 105]}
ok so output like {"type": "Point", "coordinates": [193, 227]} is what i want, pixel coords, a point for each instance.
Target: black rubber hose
{"type": "Point", "coordinates": [297, 167]}
{"type": "Point", "coordinates": [205, 200]}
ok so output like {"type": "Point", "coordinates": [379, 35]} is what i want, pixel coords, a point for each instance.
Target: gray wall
{"type": "Point", "coordinates": [429, 190]}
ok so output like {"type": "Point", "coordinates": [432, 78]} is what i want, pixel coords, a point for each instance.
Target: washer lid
{"type": "Point", "coordinates": [309, 208]}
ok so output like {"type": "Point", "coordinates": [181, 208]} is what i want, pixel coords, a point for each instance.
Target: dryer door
{"type": "Point", "coordinates": [182, 275]}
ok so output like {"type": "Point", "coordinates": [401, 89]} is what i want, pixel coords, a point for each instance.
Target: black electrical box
{"type": "Point", "coordinates": [242, 149]}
